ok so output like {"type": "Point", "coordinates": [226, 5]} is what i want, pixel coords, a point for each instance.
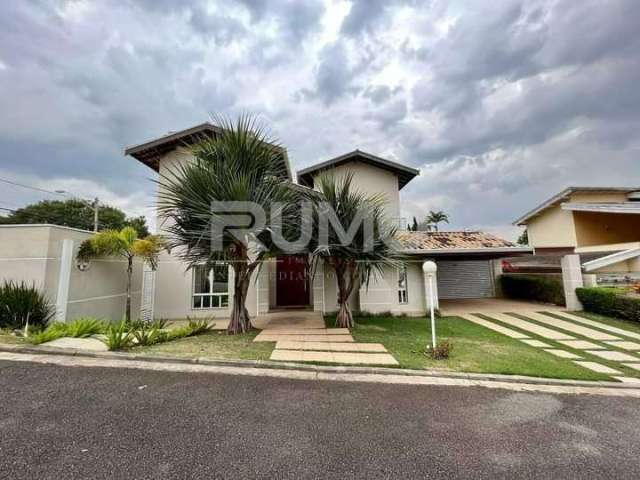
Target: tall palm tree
{"type": "Point", "coordinates": [355, 262]}
{"type": "Point", "coordinates": [239, 164]}
{"type": "Point", "coordinates": [125, 244]}
{"type": "Point", "coordinates": [434, 218]}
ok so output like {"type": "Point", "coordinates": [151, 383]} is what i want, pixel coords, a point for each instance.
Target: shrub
{"type": "Point", "coordinates": [52, 332]}
{"type": "Point", "coordinates": [609, 301]}
{"type": "Point", "coordinates": [197, 327]}
{"type": "Point", "coordinates": [533, 287]}
{"type": "Point", "coordinates": [441, 351]}
{"type": "Point", "coordinates": [147, 334]}
{"type": "Point", "coordinates": [118, 336]}
{"type": "Point", "coordinates": [84, 327]}
{"type": "Point", "coordinates": [21, 303]}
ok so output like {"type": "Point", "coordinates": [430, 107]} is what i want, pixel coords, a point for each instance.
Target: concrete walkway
{"type": "Point", "coordinates": [306, 339]}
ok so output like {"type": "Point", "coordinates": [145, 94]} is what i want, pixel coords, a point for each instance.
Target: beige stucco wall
{"type": "Point", "coordinates": [626, 266]}
{"type": "Point", "coordinates": [382, 294]}
{"type": "Point", "coordinates": [33, 253]}
{"type": "Point", "coordinates": [604, 228]}
{"type": "Point", "coordinates": [553, 228]}
{"type": "Point", "coordinates": [371, 180]}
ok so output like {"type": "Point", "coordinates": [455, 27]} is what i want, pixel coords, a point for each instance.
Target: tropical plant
{"type": "Point", "coordinates": [118, 336]}
{"type": "Point", "coordinates": [198, 326]}
{"type": "Point", "coordinates": [22, 304]}
{"type": "Point", "coordinates": [240, 164]}
{"type": "Point", "coordinates": [84, 327]}
{"type": "Point", "coordinates": [125, 244]}
{"type": "Point", "coordinates": [523, 239]}
{"type": "Point", "coordinates": [369, 252]}
{"type": "Point", "coordinates": [147, 334]}
{"type": "Point", "coordinates": [414, 226]}
{"type": "Point", "coordinates": [434, 218]}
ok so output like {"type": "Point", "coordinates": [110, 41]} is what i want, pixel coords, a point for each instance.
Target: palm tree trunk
{"type": "Point", "coordinates": [128, 301]}
{"type": "Point", "coordinates": [344, 317]}
{"type": "Point", "coordinates": [240, 321]}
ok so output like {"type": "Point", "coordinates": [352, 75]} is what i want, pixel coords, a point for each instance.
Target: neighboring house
{"type": "Point", "coordinates": [465, 259]}
{"type": "Point", "coordinates": [602, 224]}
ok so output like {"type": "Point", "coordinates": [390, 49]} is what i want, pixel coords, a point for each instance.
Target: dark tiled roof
{"type": "Point", "coordinates": [450, 241]}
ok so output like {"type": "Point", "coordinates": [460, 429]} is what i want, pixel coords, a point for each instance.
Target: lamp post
{"type": "Point", "coordinates": [429, 269]}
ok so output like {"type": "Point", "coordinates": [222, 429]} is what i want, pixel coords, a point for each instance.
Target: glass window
{"type": "Point", "coordinates": [210, 286]}
{"type": "Point", "coordinates": [402, 285]}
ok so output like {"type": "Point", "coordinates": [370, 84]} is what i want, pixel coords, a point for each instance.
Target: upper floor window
{"type": "Point", "coordinates": [210, 287]}
{"type": "Point", "coordinates": [402, 285]}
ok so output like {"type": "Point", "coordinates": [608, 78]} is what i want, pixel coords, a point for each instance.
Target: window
{"type": "Point", "coordinates": [402, 285]}
{"type": "Point", "coordinates": [210, 287]}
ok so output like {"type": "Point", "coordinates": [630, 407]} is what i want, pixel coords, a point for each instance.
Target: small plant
{"type": "Point", "coordinates": [147, 334]}
{"type": "Point", "coordinates": [197, 327]}
{"type": "Point", "coordinates": [442, 351]}
{"type": "Point", "coordinates": [118, 336]}
{"type": "Point", "coordinates": [84, 327]}
{"type": "Point", "coordinates": [52, 332]}
{"type": "Point", "coordinates": [21, 303]}
{"type": "Point", "coordinates": [160, 323]}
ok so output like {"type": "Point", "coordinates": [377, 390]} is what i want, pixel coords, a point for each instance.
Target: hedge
{"type": "Point", "coordinates": [533, 287]}
{"type": "Point", "coordinates": [609, 302]}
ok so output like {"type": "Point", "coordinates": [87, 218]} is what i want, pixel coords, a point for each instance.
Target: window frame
{"type": "Point", "coordinates": [403, 293]}
{"type": "Point", "coordinates": [221, 298]}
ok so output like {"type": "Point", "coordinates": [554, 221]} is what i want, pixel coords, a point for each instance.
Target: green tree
{"type": "Point", "coordinates": [354, 263]}
{"type": "Point", "coordinates": [414, 226]}
{"type": "Point", "coordinates": [241, 164]}
{"type": "Point", "coordinates": [434, 218]}
{"type": "Point", "coordinates": [126, 244]}
{"type": "Point", "coordinates": [523, 239]}
{"type": "Point", "coordinates": [77, 214]}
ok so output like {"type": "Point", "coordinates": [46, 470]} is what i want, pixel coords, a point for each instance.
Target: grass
{"type": "Point", "coordinates": [215, 344]}
{"type": "Point", "coordinates": [7, 337]}
{"type": "Point", "coordinates": [611, 321]}
{"type": "Point", "coordinates": [475, 348]}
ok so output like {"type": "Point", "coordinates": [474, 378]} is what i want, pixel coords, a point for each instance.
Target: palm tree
{"type": "Point", "coordinates": [239, 164]}
{"type": "Point", "coordinates": [434, 218]}
{"type": "Point", "coordinates": [126, 244]}
{"type": "Point", "coordinates": [354, 263]}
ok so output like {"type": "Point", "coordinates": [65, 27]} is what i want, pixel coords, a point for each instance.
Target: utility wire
{"type": "Point", "coordinates": [10, 182]}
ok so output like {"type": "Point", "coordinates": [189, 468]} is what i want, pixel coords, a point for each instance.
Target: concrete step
{"type": "Point", "coordinates": [332, 346]}
{"type": "Point", "coordinates": [269, 337]}
{"type": "Point", "coordinates": [344, 358]}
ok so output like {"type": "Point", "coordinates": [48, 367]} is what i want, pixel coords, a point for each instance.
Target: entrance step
{"type": "Point", "coordinates": [331, 346]}
{"type": "Point", "coordinates": [334, 357]}
{"type": "Point", "coordinates": [270, 336]}
{"type": "Point", "coordinates": [307, 331]}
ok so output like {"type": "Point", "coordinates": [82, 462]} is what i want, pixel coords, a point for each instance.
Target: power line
{"type": "Point", "coordinates": [10, 182]}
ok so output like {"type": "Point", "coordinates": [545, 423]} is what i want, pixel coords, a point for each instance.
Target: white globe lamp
{"type": "Point", "coordinates": [429, 269]}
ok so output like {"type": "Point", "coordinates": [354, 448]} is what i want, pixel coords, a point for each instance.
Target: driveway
{"type": "Point", "coordinates": [75, 422]}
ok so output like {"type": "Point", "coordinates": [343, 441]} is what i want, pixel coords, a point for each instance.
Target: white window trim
{"type": "Point", "coordinates": [405, 290]}
{"type": "Point", "coordinates": [210, 294]}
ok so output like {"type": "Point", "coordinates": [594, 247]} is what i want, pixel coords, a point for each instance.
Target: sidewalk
{"type": "Point", "coordinates": [294, 371]}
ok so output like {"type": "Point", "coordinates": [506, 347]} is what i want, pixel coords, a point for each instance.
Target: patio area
{"type": "Point", "coordinates": [450, 308]}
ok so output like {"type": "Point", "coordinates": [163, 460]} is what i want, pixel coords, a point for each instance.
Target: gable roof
{"type": "Point", "coordinates": [151, 151]}
{"type": "Point", "coordinates": [405, 174]}
{"type": "Point", "coordinates": [455, 242]}
{"type": "Point", "coordinates": [565, 194]}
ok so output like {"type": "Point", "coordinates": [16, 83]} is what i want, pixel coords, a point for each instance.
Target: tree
{"type": "Point", "coordinates": [240, 164]}
{"type": "Point", "coordinates": [523, 239]}
{"type": "Point", "coordinates": [77, 214]}
{"type": "Point", "coordinates": [354, 263]}
{"type": "Point", "coordinates": [124, 243]}
{"type": "Point", "coordinates": [434, 218]}
{"type": "Point", "coordinates": [414, 227]}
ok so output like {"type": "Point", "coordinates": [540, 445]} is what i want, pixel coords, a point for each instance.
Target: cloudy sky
{"type": "Point", "coordinates": [500, 104]}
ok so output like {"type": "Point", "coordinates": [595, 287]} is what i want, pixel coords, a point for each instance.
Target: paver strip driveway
{"type": "Point", "coordinates": [493, 326]}
{"type": "Point", "coordinates": [530, 327]}
{"type": "Point", "coordinates": [569, 326]}
{"type": "Point", "coordinates": [600, 325]}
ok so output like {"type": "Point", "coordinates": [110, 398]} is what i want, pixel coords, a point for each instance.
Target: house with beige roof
{"type": "Point", "coordinates": [468, 262]}
{"type": "Point", "coordinates": [602, 224]}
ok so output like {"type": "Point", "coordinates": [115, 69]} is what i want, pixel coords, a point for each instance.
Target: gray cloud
{"type": "Point", "coordinates": [499, 103]}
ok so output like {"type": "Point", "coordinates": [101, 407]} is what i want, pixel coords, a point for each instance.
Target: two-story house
{"type": "Point", "coordinates": [466, 261]}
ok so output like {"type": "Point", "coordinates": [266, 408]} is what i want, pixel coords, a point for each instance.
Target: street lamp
{"type": "Point", "coordinates": [95, 203]}
{"type": "Point", "coordinates": [429, 269]}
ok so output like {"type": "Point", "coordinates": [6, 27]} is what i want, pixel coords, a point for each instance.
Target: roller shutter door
{"type": "Point", "coordinates": [465, 279]}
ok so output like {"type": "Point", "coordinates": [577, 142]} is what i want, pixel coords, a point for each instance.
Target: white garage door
{"type": "Point", "coordinates": [465, 279]}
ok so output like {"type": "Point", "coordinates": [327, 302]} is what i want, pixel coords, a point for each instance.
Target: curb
{"type": "Point", "coordinates": [266, 364]}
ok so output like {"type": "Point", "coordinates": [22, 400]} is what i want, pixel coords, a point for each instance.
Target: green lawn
{"type": "Point", "coordinates": [214, 345]}
{"type": "Point", "coordinates": [6, 337]}
{"type": "Point", "coordinates": [475, 349]}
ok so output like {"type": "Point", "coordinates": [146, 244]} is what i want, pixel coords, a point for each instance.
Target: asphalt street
{"type": "Point", "coordinates": [75, 422]}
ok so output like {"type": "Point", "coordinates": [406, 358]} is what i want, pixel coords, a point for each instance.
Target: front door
{"type": "Point", "coordinates": [292, 285]}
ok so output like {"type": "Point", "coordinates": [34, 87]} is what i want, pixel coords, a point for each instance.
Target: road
{"type": "Point", "coordinates": [75, 422]}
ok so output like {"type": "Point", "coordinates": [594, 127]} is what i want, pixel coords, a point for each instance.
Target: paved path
{"type": "Point", "coordinates": [600, 325]}
{"type": "Point", "coordinates": [79, 423]}
{"type": "Point", "coordinates": [530, 327]}
{"type": "Point", "coordinates": [316, 343]}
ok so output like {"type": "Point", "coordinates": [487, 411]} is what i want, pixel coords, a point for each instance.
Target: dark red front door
{"type": "Point", "coordinates": [292, 287]}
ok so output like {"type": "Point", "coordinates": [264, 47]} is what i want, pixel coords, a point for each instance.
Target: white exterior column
{"type": "Point", "coordinates": [571, 279]}
{"type": "Point", "coordinates": [64, 277]}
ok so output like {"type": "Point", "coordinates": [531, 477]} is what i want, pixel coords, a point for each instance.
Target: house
{"type": "Point", "coordinates": [466, 260]}
{"type": "Point", "coordinates": [602, 224]}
